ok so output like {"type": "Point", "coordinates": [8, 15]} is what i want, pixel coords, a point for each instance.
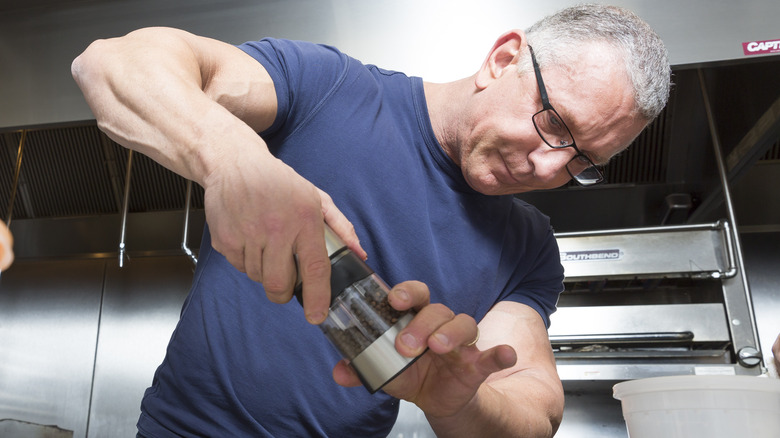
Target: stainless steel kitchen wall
{"type": "Point", "coordinates": [49, 315]}
{"type": "Point", "coordinates": [141, 305]}
{"type": "Point", "coordinates": [80, 340]}
{"type": "Point", "coordinates": [436, 39]}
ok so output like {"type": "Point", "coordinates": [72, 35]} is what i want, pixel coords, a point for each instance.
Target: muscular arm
{"type": "Point", "coordinates": [187, 102]}
{"type": "Point", "coordinates": [194, 105]}
{"type": "Point", "coordinates": [525, 400]}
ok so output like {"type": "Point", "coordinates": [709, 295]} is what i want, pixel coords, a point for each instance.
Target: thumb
{"type": "Point", "coordinates": [497, 358]}
{"type": "Point", "coordinates": [345, 375]}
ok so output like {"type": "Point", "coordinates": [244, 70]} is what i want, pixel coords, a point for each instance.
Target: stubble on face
{"type": "Point", "coordinates": [498, 135]}
{"type": "Point", "coordinates": [504, 154]}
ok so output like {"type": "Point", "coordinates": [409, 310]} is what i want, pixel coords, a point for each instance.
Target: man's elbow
{"type": "Point", "coordinates": [555, 413]}
{"type": "Point", "coordinates": [85, 66]}
{"type": "Point", "coordinates": [551, 403]}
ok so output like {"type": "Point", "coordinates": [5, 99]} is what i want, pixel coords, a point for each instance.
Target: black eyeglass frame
{"type": "Point", "coordinates": [547, 106]}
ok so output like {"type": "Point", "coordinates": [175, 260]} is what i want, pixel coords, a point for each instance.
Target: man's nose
{"type": "Point", "coordinates": [549, 162]}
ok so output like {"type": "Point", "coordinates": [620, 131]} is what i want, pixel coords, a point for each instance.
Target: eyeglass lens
{"type": "Point", "coordinates": [552, 129]}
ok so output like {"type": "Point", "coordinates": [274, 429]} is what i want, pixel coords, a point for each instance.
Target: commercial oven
{"type": "Point", "coordinates": [653, 301]}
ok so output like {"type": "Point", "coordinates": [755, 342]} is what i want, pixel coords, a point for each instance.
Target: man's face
{"type": "Point", "coordinates": [501, 152]}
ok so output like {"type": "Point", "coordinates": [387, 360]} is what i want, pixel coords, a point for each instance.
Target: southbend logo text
{"type": "Point", "coordinates": [594, 255]}
{"type": "Point", "coordinates": [761, 47]}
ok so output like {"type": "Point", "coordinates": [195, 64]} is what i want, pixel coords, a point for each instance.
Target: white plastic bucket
{"type": "Point", "coordinates": [701, 406]}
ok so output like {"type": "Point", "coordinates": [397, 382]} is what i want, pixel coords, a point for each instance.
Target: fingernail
{"type": "Point", "coordinates": [315, 317]}
{"type": "Point", "coordinates": [410, 341]}
{"type": "Point", "coordinates": [402, 295]}
{"type": "Point", "coordinates": [442, 339]}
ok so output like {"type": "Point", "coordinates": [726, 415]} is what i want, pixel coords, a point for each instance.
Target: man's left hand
{"type": "Point", "coordinates": [447, 376]}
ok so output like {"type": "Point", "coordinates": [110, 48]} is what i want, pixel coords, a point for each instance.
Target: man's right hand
{"type": "Point", "coordinates": [262, 215]}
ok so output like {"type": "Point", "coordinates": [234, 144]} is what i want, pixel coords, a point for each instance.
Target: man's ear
{"type": "Point", "coordinates": [506, 51]}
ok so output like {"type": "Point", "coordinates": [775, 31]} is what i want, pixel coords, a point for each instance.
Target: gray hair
{"type": "Point", "coordinates": [634, 41]}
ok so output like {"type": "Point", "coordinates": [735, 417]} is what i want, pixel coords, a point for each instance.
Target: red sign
{"type": "Point", "coordinates": [761, 47]}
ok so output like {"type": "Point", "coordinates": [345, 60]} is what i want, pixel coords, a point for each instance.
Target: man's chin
{"type": "Point", "coordinates": [499, 189]}
{"type": "Point", "coordinates": [486, 184]}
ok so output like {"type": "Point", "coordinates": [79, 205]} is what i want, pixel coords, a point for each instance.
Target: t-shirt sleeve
{"type": "Point", "coordinates": [538, 281]}
{"type": "Point", "coordinates": [303, 73]}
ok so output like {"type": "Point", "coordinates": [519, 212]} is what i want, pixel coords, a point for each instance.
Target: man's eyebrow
{"type": "Point", "coordinates": [600, 161]}
{"type": "Point", "coordinates": [596, 159]}
{"type": "Point", "coordinates": [603, 163]}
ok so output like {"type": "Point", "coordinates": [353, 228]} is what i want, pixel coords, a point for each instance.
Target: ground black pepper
{"type": "Point", "coordinates": [360, 315]}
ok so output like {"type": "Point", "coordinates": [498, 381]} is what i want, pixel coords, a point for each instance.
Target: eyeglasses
{"type": "Point", "coordinates": [556, 134]}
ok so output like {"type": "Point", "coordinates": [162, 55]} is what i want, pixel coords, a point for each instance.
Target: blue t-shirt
{"type": "Point", "coordinates": [239, 365]}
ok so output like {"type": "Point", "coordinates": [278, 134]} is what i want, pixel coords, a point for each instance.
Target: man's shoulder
{"type": "Point", "coordinates": [528, 214]}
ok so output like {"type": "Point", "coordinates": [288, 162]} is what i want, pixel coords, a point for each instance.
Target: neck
{"type": "Point", "coordinates": [446, 102]}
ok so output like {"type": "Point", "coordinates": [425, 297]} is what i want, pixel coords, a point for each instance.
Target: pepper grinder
{"type": "Point", "coordinates": [361, 324]}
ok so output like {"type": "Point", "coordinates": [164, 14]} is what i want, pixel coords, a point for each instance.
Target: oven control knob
{"type": "Point", "coordinates": [749, 357]}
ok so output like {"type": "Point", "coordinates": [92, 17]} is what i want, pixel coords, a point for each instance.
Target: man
{"type": "Point", "coordinates": [422, 173]}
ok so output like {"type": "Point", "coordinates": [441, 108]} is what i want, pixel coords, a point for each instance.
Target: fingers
{"type": "Point", "coordinates": [345, 375]}
{"type": "Point", "coordinates": [341, 225]}
{"type": "Point", "coordinates": [409, 295]}
{"type": "Point", "coordinates": [439, 329]}
{"type": "Point", "coordinates": [435, 326]}
{"type": "Point", "coordinates": [277, 271]}
{"type": "Point", "coordinates": [274, 265]}
{"type": "Point", "coordinates": [6, 247]}
{"type": "Point", "coordinates": [314, 269]}
{"type": "Point", "coordinates": [476, 339]}
{"type": "Point", "coordinates": [500, 358]}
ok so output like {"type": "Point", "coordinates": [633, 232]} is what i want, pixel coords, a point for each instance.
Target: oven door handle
{"type": "Point", "coordinates": [623, 338]}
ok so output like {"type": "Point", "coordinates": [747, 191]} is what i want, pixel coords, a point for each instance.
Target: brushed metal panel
{"type": "Point", "coordinates": [49, 313]}
{"type": "Point", "coordinates": [571, 371]}
{"type": "Point", "coordinates": [707, 321]}
{"type": "Point", "coordinates": [762, 259]}
{"type": "Point", "coordinates": [141, 305]}
{"type": "Point", "coordinates": [157, 233]}
{"type": "Point", "coordinates": [638, 252]}
{"type": "Point", "coordinates": [591, 411]}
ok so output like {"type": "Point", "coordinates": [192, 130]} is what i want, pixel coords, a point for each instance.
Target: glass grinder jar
{"type": "Point", "coordinates": [361, 324]}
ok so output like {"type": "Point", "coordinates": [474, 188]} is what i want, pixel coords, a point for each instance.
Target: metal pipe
{"type": "Point", "coordinates": [184, 246]}
{"type": "Point", "coordinates": [723, 174]}
{"type": "Point", "coordinates": [17, 172]}
{"type": "Point", "coordinates": [125, 206]}
{"type": "Point", "coordinates": [688, 227]}
{"type": "Point", "coordinates": [732, 263]}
